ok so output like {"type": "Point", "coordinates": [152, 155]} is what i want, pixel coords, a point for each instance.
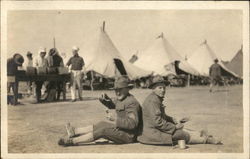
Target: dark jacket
{"type": "Point", "coordinates": [129, 115]}
{"type": "Point", "coordinates": [158, 128]}
{"type": "Point", "coordinates": [76, 62]}
{"type": "Point", "coordinates": [215, 70]}
{"type": "Point", "coordinates": [12, 67]}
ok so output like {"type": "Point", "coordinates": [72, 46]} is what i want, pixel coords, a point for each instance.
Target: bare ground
{"type": "Point", "coordinates": [35, 128]}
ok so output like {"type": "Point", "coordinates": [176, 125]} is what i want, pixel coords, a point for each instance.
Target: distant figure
{"type": "Point", "coordinates": [215, 74]}
{"type": "Point", "coordinates": [12, 83]}
{"type": "Point", "coordinates": [41, 61]}
{"type": "Point", "coordinates": [77, 63]}
{"type": "Point", "coordinates": [54, 88]}
{"type": "Point", "coordinates": [29, 63]}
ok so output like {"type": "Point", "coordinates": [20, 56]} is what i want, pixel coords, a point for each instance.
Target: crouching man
{"type": "Point", "coordinates": [125, 127]}
{"type": "Point", "coordinates": [161, 129]}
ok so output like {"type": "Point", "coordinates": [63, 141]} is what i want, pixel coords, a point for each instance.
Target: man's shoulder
{"type": "Point", "coordinates": [131, 100]}
{"type": "Point", "coordinates": [152, 97]}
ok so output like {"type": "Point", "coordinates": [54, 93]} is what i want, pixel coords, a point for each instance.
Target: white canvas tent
{"type": "Point", "coordinates": [160, 58]}
{"type": "Point", "coordinates": [108, 61]}
{"type": "Point", "coordinates": [236, 64]}
{"type": "Point", "coordinates": [203, 58]}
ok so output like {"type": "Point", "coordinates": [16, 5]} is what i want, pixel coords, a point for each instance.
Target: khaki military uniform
{"type": "Point", "coordinates": [128, 123]}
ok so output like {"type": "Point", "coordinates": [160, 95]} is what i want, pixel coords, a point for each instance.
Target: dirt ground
{"type": "Point", "coordinates": [35, 128]}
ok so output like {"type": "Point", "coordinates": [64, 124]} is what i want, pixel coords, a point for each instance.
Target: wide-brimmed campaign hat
{"type": "Point", "coordinates": [75, 48]}
{"type": "Point", "coordinates": [122, 82]}
{"type": "Point", "coordinates": [42, 50]}
{"type": "Point", "coordinates": [18, 58]}
{"type": "Point", "coordinates": [156, 80]}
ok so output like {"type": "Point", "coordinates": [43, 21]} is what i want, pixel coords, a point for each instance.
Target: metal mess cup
{"type": "Point", "coordinates": [182, 144]}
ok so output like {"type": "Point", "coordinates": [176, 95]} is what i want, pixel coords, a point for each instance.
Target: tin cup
{"type": "Point", "coordinates": [182, 144]}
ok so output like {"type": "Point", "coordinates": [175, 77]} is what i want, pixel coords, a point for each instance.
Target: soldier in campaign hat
{"type": "Point", "coordinates": [122, 129]}
{"type": "Point", "coordinates": [161, 129]}
{"type": "Point", "coordinates": [12, 68]}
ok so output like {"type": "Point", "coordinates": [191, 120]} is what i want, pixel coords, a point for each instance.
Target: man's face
{"type": "Point", "coordinates": [121, 93]}
{"type": "Point", "coordinates": [42, 54]}
{"type": "Point", "coordinates": [75, 52]}
{"type": "Point", "coordinates": [160, 90]}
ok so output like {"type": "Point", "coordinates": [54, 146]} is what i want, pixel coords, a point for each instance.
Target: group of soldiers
{"type": "Point", "coordinates": [52, 60]}
{"type": "Point", "coordinates": [148, 124]}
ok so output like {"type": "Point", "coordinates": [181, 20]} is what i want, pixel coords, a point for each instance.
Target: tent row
{"type": "Point", "coordinates": [159, 58]}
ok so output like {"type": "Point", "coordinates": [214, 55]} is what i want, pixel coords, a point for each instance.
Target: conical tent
{"type": "Point", "coordinates": [160, 58]}
{"type": "Point", "coordinates": [236, 64]}
{"type": "Point", "coordinates": [203, 58]}
{"type": "Point", "coordinates": [108, 61]}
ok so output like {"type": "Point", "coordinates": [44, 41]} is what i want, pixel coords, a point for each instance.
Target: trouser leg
{"type": "Point", "coordinates": [15, 90]}
{"type": "Point", "coordinates": [79, 84]}
{"type": "Point", "coordinates": [180, 135]}
{"type": "Point", "coordinates": [39, 85]}
{"type": "Point", "coordinates": [83, 130]}
{"type": "Point", "coordinates": [196, 137]}
{"type": "Point", "coordinates": [73, 89]}
{"type": "Point", "coordinates": [86, 138]}
{"type": "Point", "coordinates": [110, 132]}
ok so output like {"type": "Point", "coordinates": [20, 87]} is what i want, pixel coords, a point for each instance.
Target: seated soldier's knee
{"type": "Point", "coordinates": [181, 135]}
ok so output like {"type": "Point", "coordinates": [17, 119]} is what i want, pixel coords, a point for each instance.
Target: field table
{"type": "Point", "coordinates": [46, 77]}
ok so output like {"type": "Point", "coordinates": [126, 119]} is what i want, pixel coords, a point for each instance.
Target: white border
{"type": "Point", "coordinates": [115, 5]}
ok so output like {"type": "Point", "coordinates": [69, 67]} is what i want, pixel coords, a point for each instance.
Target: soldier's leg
{"type": "Point", "coordinates": [199, 137]}
{"type": "Point", "coordinates": [79, 84]}
{"type": "Point", "coordinates": [73, 87]}
{"type": "Point", "coordinates": [180, 135]}
{"type": "Point", "coordinates": [39, 85]}
{"type": "Point", "coordinates": [15, 90]}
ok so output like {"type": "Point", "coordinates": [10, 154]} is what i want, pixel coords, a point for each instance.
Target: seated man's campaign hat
{"type": "Point", "coordinates": [156, 80]}
{"type": "Point", "coordinates": [122, 82]}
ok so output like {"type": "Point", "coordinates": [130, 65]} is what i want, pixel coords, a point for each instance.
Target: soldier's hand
{"type": "Point", "coordinates": [179, 126]}
{"type": "Point", "coordinates": [185, 119]}
{"type": "Point", "coordinates": [175, 121]}
{"type": "Point", "coordinates": [110, 116]}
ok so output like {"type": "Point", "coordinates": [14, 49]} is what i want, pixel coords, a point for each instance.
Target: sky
{"type": "Point", "coordinates": [130, 30]}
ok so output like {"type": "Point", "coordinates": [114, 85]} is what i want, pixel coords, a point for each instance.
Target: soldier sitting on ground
{"type": "Point", "coordinates": [161, 129]}
{"type": "Point", "coordinates": [125, 127]}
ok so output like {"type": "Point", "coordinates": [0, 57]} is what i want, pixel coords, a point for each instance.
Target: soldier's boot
{"type": "Point", "coordinates": [213, 140]}
{"type": "Point", "coordinates": [198, 139]}
{"type": "Point", "coordinates": [70, 130]}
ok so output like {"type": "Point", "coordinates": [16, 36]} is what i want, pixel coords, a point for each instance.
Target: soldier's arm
{"type": "Point", "coordinates": [159, 122]}
{"type": "Point", "coordinates": [106, 101]}
{"type": "Point", "coordinates": [69, 62]}
{"type": "Point", "coordinates": [131, 120]}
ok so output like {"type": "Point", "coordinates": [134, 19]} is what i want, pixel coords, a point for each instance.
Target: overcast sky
{"type": "Point", "coordinates": [130, 30]}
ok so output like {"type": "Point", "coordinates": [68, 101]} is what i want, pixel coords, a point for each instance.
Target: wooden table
{"type": "Point", "coordinates": [46, 77]}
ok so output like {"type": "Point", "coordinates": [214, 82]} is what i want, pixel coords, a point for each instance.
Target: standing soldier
{"type": "Point", "coordinates": [41, 61]}
{"type": "Point", "coordinates": [77, 63]}
{"type": "Point", "coordinates": [29, 63]}
{"type": "Point", "coordinates": [122, 129]}
{"type": "Point", "coordinates": [215, 74]}
{"type": "Point", "coordinates": [12, 68]}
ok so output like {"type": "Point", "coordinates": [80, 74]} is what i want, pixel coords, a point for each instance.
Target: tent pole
{"type": "Point", "coordinates": [188, 82]}
{"type": "Point", "coordinates": [92, 80]}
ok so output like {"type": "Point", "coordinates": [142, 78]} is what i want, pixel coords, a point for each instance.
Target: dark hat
{"type": "Point", "coordinates": [122, 82]}
{"type": "Point", "coordinates": [157, 79]}
{"type": "Point", "coordinates": [29, 53]}
{"type": "Point", "coordinates": [52, 51]}
{"type": "Point", "coordinates": [18, 59]}
{"type": "Point", "coordinates": [216, 60]}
